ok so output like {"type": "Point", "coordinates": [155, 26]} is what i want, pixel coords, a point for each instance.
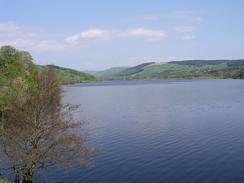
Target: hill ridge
{"type": "Point", "coordinates": [186, 69]}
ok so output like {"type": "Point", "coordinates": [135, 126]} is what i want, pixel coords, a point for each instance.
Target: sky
{"type": "Point", "coordinates": [99, 34]}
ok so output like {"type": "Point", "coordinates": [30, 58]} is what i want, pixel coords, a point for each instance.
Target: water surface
{"type": "Point", "coordinates": [162, 131]}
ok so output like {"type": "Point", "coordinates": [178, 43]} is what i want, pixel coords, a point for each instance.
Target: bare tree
{"type": "Point", "coordinates": [40, 131]}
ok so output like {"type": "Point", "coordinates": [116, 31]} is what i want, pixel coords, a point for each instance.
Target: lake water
{"type": "Point", "coordinates": [162, 131]}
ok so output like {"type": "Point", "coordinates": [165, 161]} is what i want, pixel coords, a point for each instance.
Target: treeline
{"type": "Point", "coordinates": [37, 131]}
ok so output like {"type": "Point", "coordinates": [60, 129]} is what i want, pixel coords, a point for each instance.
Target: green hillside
{"type": "Point", "coordinates": [134, 70]}
{"type": "Point", "coordinates": [69, 76]}
{"type": "Point", "coordinates": [189, 69]}
{"type": "Point", "coordinates": [106, 74]}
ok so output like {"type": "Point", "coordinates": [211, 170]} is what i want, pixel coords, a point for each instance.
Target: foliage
{"type": "Point", "coordinates": [15, 63]}
{"type": "Point", "coordinates": [17, 73]}
{"type": "Point", "coordinates": [37, 131]}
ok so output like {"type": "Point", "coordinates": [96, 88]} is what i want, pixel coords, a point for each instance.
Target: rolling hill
{"type": "Point", "coordinates": [106, 74]}
{"type": "Point", "coordinates": [188, 69]}
{"type": "Point", "coordinates": [69, 76]}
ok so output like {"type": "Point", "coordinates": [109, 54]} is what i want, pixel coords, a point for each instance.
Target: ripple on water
{"type": "Point", "coordinates": [153, 132]}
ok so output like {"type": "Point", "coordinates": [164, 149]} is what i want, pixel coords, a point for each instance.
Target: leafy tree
{"type": "Point", "coordinates": [18, 74]}
{"type": "Point", "coordinates": [8, 54]}
{"type": "Point", "coordinates": [37, 130]}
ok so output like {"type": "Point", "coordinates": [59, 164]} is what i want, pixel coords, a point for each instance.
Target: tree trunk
{"type": "Point", "coordinates": [16, 175]}
{"type": "Point", "coordinates": [28, 174]}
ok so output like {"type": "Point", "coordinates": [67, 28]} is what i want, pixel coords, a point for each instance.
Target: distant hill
{"type": "Point", "coordinates": [108, 73]}
{"type": "Point", "coordinates": [134, 70]}
{"type": "Point", "coordinates": [69, 76]}
{"type": "Point", "coordinates": [230, 63]}
{"type": "Point", "coordinates": [188, 69]}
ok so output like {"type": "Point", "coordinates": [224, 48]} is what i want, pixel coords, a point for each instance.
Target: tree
{"type": "Point", "coordinates": [8, 54]}
{"type": "Point", "coordinates": [17, 74]}
{"type": "Point", "coordinates": [38, 130]}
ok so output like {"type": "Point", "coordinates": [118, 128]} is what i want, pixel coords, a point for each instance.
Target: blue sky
{"type": "Point", "coordinates": [98, 34]}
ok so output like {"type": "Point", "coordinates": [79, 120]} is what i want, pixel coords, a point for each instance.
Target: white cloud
{"type": "Point", "coordinates": [148, 34]}
{"type": "Point", "coordinates": [95, 34]}
{"type": "Point", "coordinates": [74, 39]}
{"type": "Point", "coordinates": [27, 38]}
{"type": "Point", "coordinates": [188, 37]}
{"type": "Point", "coordinates": [37, 40]}
{"type": "Point", "coordinates": [185, 28]}
{"type": "Point", "coordinates": [91, 34]}
{"type": "Point", "coordinates": [31, 39]}
{"type": "Point", "coordinates": [101, 34]}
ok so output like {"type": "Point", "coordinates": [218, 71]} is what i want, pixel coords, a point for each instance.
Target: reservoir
{"type": "Point", "coordinates": [161, 131]}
